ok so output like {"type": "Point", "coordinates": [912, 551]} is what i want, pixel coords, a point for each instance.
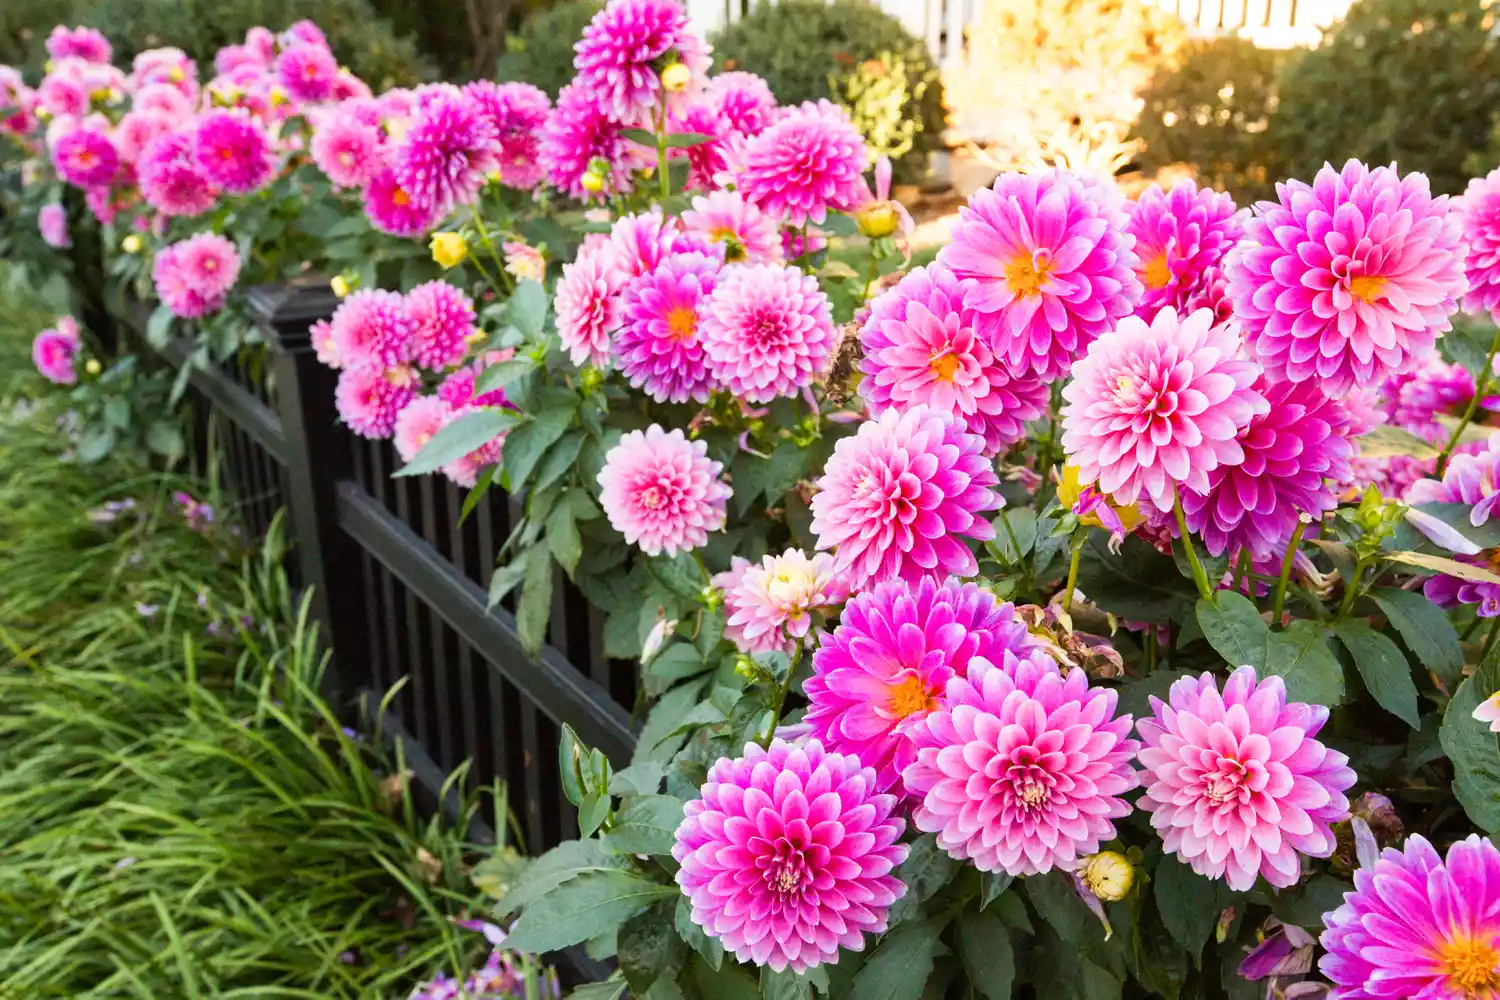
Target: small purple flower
{"type": "Point", "coordinates": [146, 610]}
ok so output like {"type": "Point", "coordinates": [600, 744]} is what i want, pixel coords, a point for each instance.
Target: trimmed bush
{"type": "Point", "coordinates": [541, 53]}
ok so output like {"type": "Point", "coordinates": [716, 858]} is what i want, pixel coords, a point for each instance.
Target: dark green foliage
{"type": "Point", "coordinates": [808, 49]}
{"type": "Point", "coordinates": [464, 37]}
{"type": "Point", "coordinates": [541, 53]}
{"type": "Point", "coordinates": [1416, 82]}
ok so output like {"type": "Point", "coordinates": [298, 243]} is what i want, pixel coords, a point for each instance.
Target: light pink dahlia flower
{"type": "Point", "coordinates": [372, 330]}
{"type": "Point", "coordinates": [620, 56]}
{"type": "Point", "coordinates": [579, 132]}
{"type": "Point", "coordinates": [1180, 239]}
{"type": "Point", "coordinates": [1021, 769]}
{"type": "Point", "coordinates": [1153, 406]}
{"type": "Point", "coordinates": [662, 491]}
{"type": "Point", "coordinates": [1051, 263]}
{"type": "Point", "coordinates": [659, 345]}
{"type": "Point", "coordinates": [588, 304]}
{"type": "Point", "coordinates": [898, 499]}
{"type": "Point", "coordinates": [809, 161]}
{"type": "Point", "coordinates": [787, 855]}
{"type": "Point", "coordinates": [768, 331]}
{"type": "Point", "coordinates": [1236, 783]}
{"type": "Point", "coordinates": [745, 233]}
{"type": "Point", "coordinates": [1348, 280]}
{"type": "Point", "coordinates": [519, 113]}
{"type": "Point", "coordinates": [744, 100]}
{"type": "Point", "coordinates": [347, 149]}
{"type": "Point", "coordinates": [369, 399]}
{"type": "Point", "coordinates": [417, 423]}
{"type": "Point", "coordinates": [769, 605]}
{"type": "Point", "coordinates": [52, 222]}
{"type": "Point", "coordinates": [1479, 209]}
{"type": "Point", "coordinates": [444, 317]}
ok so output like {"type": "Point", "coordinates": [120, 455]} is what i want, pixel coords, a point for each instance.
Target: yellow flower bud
{"type": "Point", "coordinates": [449, 249]}
{"type": "Point", "coordinates": [131, 244]}
{"type": "Point", "coordinates": [92, 366]}
{"type": "Point", "coordinates": [339, 285]}
{"type": "Point", "coordinates": [592, 183]}
{"type": "Point", "coordinates": [877, 220]}
{"type": "Point", "coordinates": [675, 78]}
{"type": "Point", "coordinates": [1108, 875]}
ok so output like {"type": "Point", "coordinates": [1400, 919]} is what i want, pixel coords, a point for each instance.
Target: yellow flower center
{"type": "Point", "coordinates": [909, 697]}
{"type": "Point", "coordinates": [400, 197]}
{"type": "Point", "coordinates": [1025, 274]}
{"type": "Point", "coordinates": [652, 499]}
{"type": "Point", "coordinates": [1366, 287]}
{"type": "Point", "coordinates": [792, 585]}
{"type": "Point", "coordinates": [210, 265]}
{"type": "Point", "coordinates": [734, 250]}
{"type": "Point", "coordinates": [1157, 272]}
{"type": "Point", "coordinates": [682, 322]}
{"type": "Point", "coordinates": [1471, 965]}
{"type": "Point", "coordinates": [944, 366]}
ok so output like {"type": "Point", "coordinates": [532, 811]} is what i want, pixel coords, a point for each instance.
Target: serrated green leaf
{"type": "Point", "coordinates": [649, 945]}
{"type": "Point", "coordinates": [643, 778]}
{"type": "Point", "coordinates": [1234, 628]}
{"type": "Point", "coordinates": [582, 908]}
{"type": "Point", "coordinates": [1473, 749]}
{"type": "Point", "coordinates": [992, 885]}
{"type": "Point", "coordinates": [1189, 904]}
{"type": "Point", "coordinates": [1384, 669]}
{"type": "Point", "coordinates": [709, 948]}
{"type": "Point", "coordinates": [984, 947]}
{"type": "Point", "coordinates": [1426, 629]}
{"type": "Point", "coordinates": [563, 538]}
{"type": "Point", "coordinates": [525, 445]}
{"type": "Point", "coordinates": [1015, 535]}
{"type": "Point", "coordinates": [472, 430]}
{"type": "Point", "coordinates": [567, 860]}
{"type": "Point", "coordinates": [559, 459]}
{"type": "Point", "coordinates": [503, 373]}
{"type": "Point", "coordinates": [1140, 583]}
{"type": "Point", "coordinates": [645, 824]}
{"type": "Point", "coordinates": [1300, 656]}
{"type": "Point", "coordinates": [899, 966]}
{"type": "Point", "coordinates": [506, 579]}
{"type": "Point", "coordinates": [680, 574]}
{"type": "Point", "coordinates": [784, 985]}
{"type": "Point", "coordinates": [527, 309]}
{"type": "Point", "coordinates": [656, 740]}
{"type": "Point", "coordinates": [535, 607]}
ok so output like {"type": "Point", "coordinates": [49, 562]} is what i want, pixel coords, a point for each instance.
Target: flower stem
{"type": "Point", "coordinates": [1199, 576]}
{"type": "Point", "coordinates": [1351, 590]}
{"type": "Point", "coordinates": [871, 274]}
{"type": "Point", "coordinates": [1489, 642]}
{"type": "Point", "coordinates": [500, 284]}
{"type": "Point", "coordinates": [1286, 572]}
{"type": "Point", "coordinates": [661, 150]}
{"type": "Point", "coordinates": [1076, 544]}
{"type": "Point", "coordinates": [782, 690]}
{"type": "Point", "coordinates": [1480, 384]}
{"type": "Point", "coordinates": [1150, 642]}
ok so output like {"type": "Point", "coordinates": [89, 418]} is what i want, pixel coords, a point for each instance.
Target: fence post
{"type": "Point", "coordinates": [318, 457]}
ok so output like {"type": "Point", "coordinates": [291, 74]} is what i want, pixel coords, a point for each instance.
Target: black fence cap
{"type": "Point", "coordinates": [288, 310]}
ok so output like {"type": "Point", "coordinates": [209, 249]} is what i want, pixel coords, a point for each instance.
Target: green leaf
{"type": "Point", "coordinates": [563, 538]}
{"type": "Point", "coordinates": [1233, 626]}
{"type": "Point", "coordinates": [481, 487]}
{"type": "Point", "coordinates": [1135, 697]}
{"type": "Point", "coordinates": [583, 908]}
{"type": "Point", "coordinates": [784, 985]}
{"type": "Point", "coordinates": [643, 778]}
{"type": "Point", "coordinates": [710, 632]}
{"type": "Point", "coordinates": [165, 439]}
{"type": "Point", "coordinates": [1306, 904]}
{"type": "Point", "coordinates": [708, 947]}
{"type": "Point", "coordinates": [1010, 909]}
{"type": "Point", "coordinates": [1473, 749]}
{"type": "Point", "coordinates": [640, 135]}
{"type": "Point", "coordinates": [927, 869]}
{"type": "Point", "coordinates": [656, 740]}
{"type": "Point", "coordinates": [503, 373]}
{"type": "Point", "coordinates": [992, 885]}
{"type": "Point", "coordinates": [1387, 440]}
{"type": "Point", "coordinates": [505, 580]}
{"type": "Point", "coordinates": [1438, 564]}
{"type": "Point", "coordinates": [899, 966]}
{"type": "Point", "coordinates": [784, 470]}
{"type": "Point", "coordinates": [592, 812]}
{"type": "Point", "coordinates": [680, 574]}
{"type": "Point", "coordinates": [567, 860]}
{"type": "Point", "coordinates": [570, 752]}
{"type": "Point", "coordinates": [159, 327]}
{"type": "Point", "coordinates": [1189, 904]}
{"type": "Point", "coordinates": [984, 947]}
{"type": "Point", "coordinates": [678, 661]}
{"type": "Point", "coordinates": [1426, 629]}
{"type": "Point", "coordinates": [1019, 522]}
{"type": "Point", "coordinates": [560, 458]}
{"type": "Point", "coordinates": [649, 945]}
{"type": "Point", "coordinates": [472, 430]}
{"type": "Point", "coordinates": [1140, 583]}
{"type": "Point", "coordinates": [608, 990]}
{"type": "Point", "coordinates": [527, 309]}
{"type": "Point", "coordinates": [729, 982]}
{"type": "Point", "coordinates": [536, 600]}
{"type": "Point", "coordinates": [1300, 656]}
{"type": "Point", "coordinates": [1078, 979]}
{"type": "Point", "coordinates": [526, 443]}
{"type": "Point", "coordinates": [1384, 669]}
{"type": "Point", "coordinates": [683, 140]}
{"type": "Point", "coordinates": [645, 825]}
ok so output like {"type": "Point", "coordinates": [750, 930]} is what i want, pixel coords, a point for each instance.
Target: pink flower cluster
{"type": "Point", "coordinates": [193, 277]}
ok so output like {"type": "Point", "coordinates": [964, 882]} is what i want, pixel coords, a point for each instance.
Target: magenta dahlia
{"type": "Point", "coordinates": [577, 134]}
{"type": "Point", "coordinates": [1236, 783]}
{"type": "Point", "coordinates": [1052, 267]}
{"type": "Point", "coordinates": [706, 160]}
{"type": "Point", "coordinates": [391, 208]}
{"type": "Point", "coordinates": [1348, 280]}
{"type": "Point", "coordinates": [1479, 209]}
{"type": "Point", "coordinates": [889, 662]}
{"type": "Point", "coordinates": [55, 352]}
{"type": "Point", "coordinates": [519, 113]}
{"type": "Point", "coordinates": [641, 241]}
{"type": "Point", "coordinates": [787, 855]}
{"type": "Point", "coordinates": [348, 150]}
{"type": "Point", "coordinates": [443, 317]}
{"type": "Point", "coordinates": [659, 345]}
{"type": "Point", "coordinates": [1415, 399]}
{"type": "Point", "coordinates": [588, 304]}
{"type": "Point", "coordinates": [307, 71]}
{"type": "Point", "coordinates": [171, 180]}
{"type": "Point", "coordinates": [457, 390]}
{"type": "Point", "coordinates": [1474, 481]}
{"type": "Point", "coordinates": [1180, 238]}
{"type": "Point", "coordinates": [662, 491]}
{"type": "Point", "coordinates": [373, 330]}
{"type": "Point", "coordinates": [621, 55]}
{"type": "Point", "coordinates": [369, 399]}
{"type": "Point", "coordinates": [85, 158]}
{"type": "Point", "coordinates": [745, 234]}
{"type": "Point", "coordinates": [920, 346]}
{"type": "Point", "coordinates": [768, 331]}
{"type": "Point", "coordinates": [744, 100]}
{"type": "Point", "coordinates": [769, 605]}
{"type": "Point", "coordinates": [810, 160]}
{"type": "Point", "coordinates": [446, 153]}
{"type": "Point", "coordinates": [233, 151]}
{"type": "Point", "coordinates": [1153, 406]}
{"type": "Point", "coordinates": [898, 499]}
{"type": "Point", "coordinates": [1021, 769]}
{"type": "Point", "coordinates": [81, 43]}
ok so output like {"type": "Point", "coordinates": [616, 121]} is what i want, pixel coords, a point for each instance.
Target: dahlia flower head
{"type": "Point", "coordinates": [623, 50]}
{"type": "Point", "coordinates": [233, 151]}
{"type": "Point", "coordinates": [745, 233]}
{"type": "Point", "coordinates": [307, 71]}
{"type": "Point", "coordinates": [1236, 783]}
{"type": "Point", "coordinates": [443, 318]}
{"type": "Point", "coordinates": [421, 419]}
{"type": "Point", "coordinates": [662, 491]}
{"type": "Point", "coordinates": [55, 351]}
{"type": "Point", "coordinates": [921, 345]}
{"type": "Point", "coordinates": [518, 112]}
{"type": "Point", "coordinates": [578, 132]}
{"type": "Point", "coordinates": [392, 209]}
{"type": "Point", "coordinates": [1150, 407]}
{"type": "Point", "coordinates": [809, 161]}
{"type": "Point", "coordinates": [888, 663]}
{"type": "Point", "coordinates": [767, 331]}
{"type": "Point", "coordinates": [170, 178]}
{"type": "Point", "coordinates": [1180, 240]}
{"type": "Point", "coordinates": [642, 240]}
{"type": "Point", "coordinates": [659, 345]}
{"type": "Point", "coordinates": [193, 277]}
{"type": "Point", "coordinates": [1021, 769]}
{"type": "Point", "coordinates": [1296, 453]}
{"type": "Point", "coordinates": [373, 329]}
{"type": "Point", "coordinates": [707, 160]}
{"type": "Point", "coordinates": [899, 498]}
{"type": "Point", "coordinates": [1418, 925]}
{"type": "Point", "coordinates": [743, 100]}
{"type": "Point", "coordinates": [52, 223]}
{"type": "Point", "coordinates": [457, 390]}
{"type": "Point", "coordinates": [1052, 267]}
{"type": "Point", "coordinates": [348, 149]}
{"type": "Point", "coordinates": [1433, 387]}
{"type": "Point", "coordinates": [169, 66]}
{"type": "Point", "coordinates": [81, 43]}
{"type": "Point", "coordinates": [63, 96]}
{"type": "Point", "coordinates": [588, 304]}
{"type": "Point", "coordinates": [1479, 211]}
{"type": "Point", "coordinates": [769, 605]}
{"type": "Point", "coordinates": [370, 399]}
{"type": "Point", "coordinates": [446, 152]}
{"type": "Point", "coordinates": [1469, 480]}
{"type": "Point", "coordinates": [1349, 280]}
{"type": "Point", "coordinates": [787, 855]}
{"type": "Point", "coordinates": [85, 157]}
{"type": "Point", "coordinates": [138, 129]}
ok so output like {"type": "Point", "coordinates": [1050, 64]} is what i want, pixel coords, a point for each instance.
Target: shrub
{"type": "Point", "coordinates": [1214, 113]}
{"type": "Point", "coordinates": [541, 53]}
{"type": "Point", "coordinates": [1411, 81]}
{"type": "Point", "coordinates": [850, 52]}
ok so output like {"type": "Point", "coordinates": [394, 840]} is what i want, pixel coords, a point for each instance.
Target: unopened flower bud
{"type": "Point", "coordinates": [449, 249]}
{"type": "Point", "coordinates": [877, 220]}
{"type": "Point", "coordinates": [675, 78]}
{"type": "Point", "coordinates": [1108, 875]}
{"type": "Point", "coordinates": [92, 366]}
{"type": "Point", "coordinates": [592, 182]}
{"type": "Point", "coordinates": [131, 244]}
{"type": "Point", "coordinates": [340, 285]}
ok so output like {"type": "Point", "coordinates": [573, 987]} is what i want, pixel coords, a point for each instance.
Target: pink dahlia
{"type": "Point", "coordinates": [889, 662]}
{"type": "Point", "coordinates": [810, 160]}
{"type": "Point", "coordinates": [1295, 455]}
{"type": "Point", "coordinates": [233, 151]}
{"type": "Point", "coordinates": [391, 208]}
{"type": "Point", "coordinates": [1236, 783]}
{"type": "Point", "coordinates": [787, 855]}
{"type": "Point", "coordinates": [1052, 267]}
{"type": "Point", "coordinates": [82, 43]}
{"type": "Point", "coordinates": [324, 345]}
{"type": "Point", "coordinates": [349, 151]}
{"type": "Point", "coordinates": [707, 160]}
{"type": "Point", "coordinates": [446, 153]}
{"type": "Point", "coordinates": [745, 233]}
{"type": "Point", "coordinates": [373, 330]}
{"type": "Point", "coordinates": [465, 471]}
{"type": "Point", "coordinates": [209, 262]}
{"type": "Point", "coordinates": [52, 222]}
{"type": "Point", "coordinates": [659, 346]}
{"type": "Point", "coordinates": [641, 241]}
{"type": "Point", "coordinates": [1470, 480]}
{"type": "Point", "coordinates": [1179, 239]}
{"type": "Point", "coordinates": [457, 390]}
{"type": "Point", "coordinates": [171, 180]}
{"type": "Point", "coordinates": [63, 96]}
{"type": "Point", "coordinates": [744, 100]}
{"type": "Point", "coordinates": [588, 305]}
{"type": "Point", "coordinates": [769, 605]}
{"type": "Point", "coordinates": [768, 331]}
{"type": "Point", "coordinates": [1479, 208]}
{"type": "Point", "coordinates": [1213, 295]}
{"type": "Point", "coordinates": [138, 129]}
{"type": "Point", "coordinates": [1418, 925]}
{"type": "Point", "coordinates": [518, 111]}
{"type": "Point", "coordinates": [920, 346]}
{"type": "Point", "coordinates": [662, 491]}
{"type": "Point", "coordinates": [1153, 406]}
{"type": "Point", "coordinates": [417, 423]}
{"type": "Point", "coordinates": [1021, 769]}
{"type": "Point", "coordinates": [443, 317]}
{"type": "Point", "coordinates": [898, 499]}
{"type": "Point", "coordinates": [85, 158]}
{"type": "Point", "coordinates": [307, 72]}
{"type": "Point", "coordinates": [623, 50]}
{"type": "Point", "coordinates": [1347, 280]}
{"type": "Point", "coordinates": [580, 132]}
{"type": "Point", "coordinates": [369, 400]}
{"type": "Point", "coordinates": [1432, 388]}
{"type": "Point", "coordinates": [55, 353]}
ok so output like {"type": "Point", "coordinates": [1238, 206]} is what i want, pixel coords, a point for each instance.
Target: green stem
{"type": "Point", "coordinates": [1489, 643]}
{"type": "Point", "coordinates": [501, 283]}
{"type": "Point", "coordinates": [871, 274]}
{"type": "Point", "coordinates": [1199, 576]}
{"type": "Point", "coordinates": [1076, 544]}
{"type": "Point", "coordinates": [1473, 627]}
{"type": "Point", "coordinates": [782, 690]}
{"type": "Point", "coordinates": [1480, 384]}
{"type": "Point", "coordinates": [1150, 649]}
{"type": "Point", "coordinates": [661, 150]}
{"type": "Point", "coordinates": [1351, 590]}
{"type": "Point", "coordinates": [1279, 601]}
{"type": "Point", "coordinates": [1242, 571]}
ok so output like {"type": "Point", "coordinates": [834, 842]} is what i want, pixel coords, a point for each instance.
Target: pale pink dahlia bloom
{"type": "Point", "coordinates": [417, 423]}
{"type": "Point", "coordinates": [194, 276]}
{"type": "Point", "coordinates": [233, 151]}
{"type": "Point", "coordinates": [920, 346]}
{"type": "Point", "coordinates": [768, 331]}
{"type": "Point", "coordinates": [348, 150]}
{"type": "Point", "coordinates": [898, 499]}
{"type": "Point", "coordinates": [1051, 263]}
{"type": "Point", "coordinates": [746, 234]}
{"type": "Point", "coordinates": [659, 345]}
{"type": "Point", "coordinates": [308, 71]}
{"type": "Point", "coordinates": [137, 130]}
{"type": "Point", "coordinates": [444, 317]}
{"type": "Point", "coordinates": [373, 330]}
{"type": "Point", "coordinates": [1236, 783]}
{"type": "Point", "coordinates": [662, 491]}
{"type": "Point", "coordinates": [769, 605]}
{"type": "Point", "coordinates": [809, 161]}
{"type": "Point", "coordinates": [519, 113]}
{"type": "Point", "coordinates": [445, 154]}
{"type": "Point", "coordinates": [1348, 280]}
{"type": "Point", "coordinates": [787, 855]}
{"type": "Point", "coordinates": [577, 133]}
{"type": "Point", "coordinates": [889, 662]}
{"type": "Point", "coordinates": [1180, 239]}
{"type": "Point", "coordinates": [620, 56]}
{"type": "Point", "coordinates": [1021, 769]}
{"type": "Point", "coordinates": [641, 241]}
{"type": "Point", "coordinates": [52, 222]}
{"type": "Point", "coordinates": [1150, 407]}
{"type": "Point", "coordinates": [588, 304]}
{"type": "Point", "coordinates": [744, 100]}
{"type": "Point", "coordinates": [1479, 208]}
{"type": "Point", "coordinates": [369, 399]}
{"type": "Point", "coordinates": [392, 209]}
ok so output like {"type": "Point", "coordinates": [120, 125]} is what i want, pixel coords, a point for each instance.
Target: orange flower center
{"type": "Point", "coordinates": [944, 366]}
{"type": "Point", "coordinates": [1366, 287]}
{"type": "Point", "coordinates": [682, 322]}
{"type": "Point", "coordinates": [1471, 965]}
{"type": "Point", "coordinates": [1157, 272]}
{"type": "Point", "coordinates": [910, 697]}
{"type": "Point", "coordinates": [1025, 275]}
{"type": "Point", "coordinates": [400, 197]}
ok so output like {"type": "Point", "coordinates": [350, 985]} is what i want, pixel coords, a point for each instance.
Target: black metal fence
{"type": "Point", "coordinates": [400, 581]}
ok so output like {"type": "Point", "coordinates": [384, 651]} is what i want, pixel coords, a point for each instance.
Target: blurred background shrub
{"type": "Point", "coordinates": [541, 52]}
